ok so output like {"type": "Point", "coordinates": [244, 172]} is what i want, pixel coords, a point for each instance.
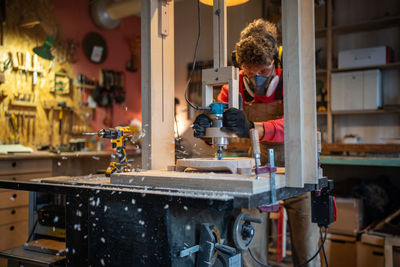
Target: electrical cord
{"type": "Point", "coordinates": [33, 230]}
{"type": "Point", "coordinates": [194, 61]}
{"type": "Point", "coordinates": [323, 250]}
{"type": "Point", "coordinates": [256, 260]}
{"type": "Point", "coordinates": [323, 238]}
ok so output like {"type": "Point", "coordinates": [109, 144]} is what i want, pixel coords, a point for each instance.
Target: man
{"type": "Point", "coordinates": [260, 86]}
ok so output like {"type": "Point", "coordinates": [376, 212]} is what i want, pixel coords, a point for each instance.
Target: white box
{"type": "Point", "coordinates": [358, 90]}
{"type": "Point", "coordinates": [378, 55]}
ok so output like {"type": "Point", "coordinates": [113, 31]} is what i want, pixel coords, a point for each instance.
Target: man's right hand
{"type": "Point", "coordinates": [200, 125]}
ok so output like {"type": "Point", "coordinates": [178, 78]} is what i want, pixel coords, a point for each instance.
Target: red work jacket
{"type": "Point", "coordinates": [273, 129]}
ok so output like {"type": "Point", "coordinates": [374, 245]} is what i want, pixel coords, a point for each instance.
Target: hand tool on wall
{"type": "Point", "coordinates": [23, 132]}
{"type": "Point", "coordinates": [71, 120]}
{"type": "Point", "coordinates": [28, 64]}
{"type": "Point", "coordinates": [28, 135]}
{"type": "Point", "coordinates": [33, 129]}
{"type": "Point", "coordinates": [35, 74]}
{"type": "Point", "coordinates": [51, 117]}
{"type": "Point", "coordinates": [62, 105]}
{"type": "Point", "coordinates": [119, 137]}
{"type": "Point", "coordinates": [14, 125]}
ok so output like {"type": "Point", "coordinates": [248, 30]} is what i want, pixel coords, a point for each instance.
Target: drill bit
{"type": "Point", "coordinates": [219, 153]}
{"type": "Point", "coordinates": [89, 133]}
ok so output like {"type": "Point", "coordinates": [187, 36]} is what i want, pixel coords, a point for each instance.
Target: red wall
{"type": "Point", "coordinates": [75, 21]}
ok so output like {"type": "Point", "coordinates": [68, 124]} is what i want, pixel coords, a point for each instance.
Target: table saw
{"type": "Point", "coordinates": [142, 225]}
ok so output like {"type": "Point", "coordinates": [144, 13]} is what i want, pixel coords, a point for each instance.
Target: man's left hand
{"type": "Point", "coordinates": [235, 121]}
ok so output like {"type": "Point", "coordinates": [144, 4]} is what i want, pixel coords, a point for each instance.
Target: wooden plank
{"type": "Point", "coordinates": [299, 96]}
{"type": "Point", "coordinates": [309, 92]}
{"type": "Point", "coordinates": [157, 87]}
{"type": "Point", "coordinates": [292, 94]}
{"type": "Point", "coordinates": [362, 148]}
{"type": "Point", "coordinates": [232, 183]}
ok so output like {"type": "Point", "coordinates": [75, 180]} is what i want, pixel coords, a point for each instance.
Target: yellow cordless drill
{"type": "Point", "coordinates": [119, 136]}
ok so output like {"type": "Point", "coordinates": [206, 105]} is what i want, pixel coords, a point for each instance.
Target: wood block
{"type": "Point", "coordinates": [230, 183]}
{"type": "Point", "coordinates": [46, 246]}
{"type": "Point", "coordinates": [213, 164]}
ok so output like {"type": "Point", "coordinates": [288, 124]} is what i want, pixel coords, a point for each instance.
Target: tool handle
{"type": "Point", "coordinates": [252, 219]}
{"type": "Point", "coordinates": [226, 249]}
{"type": "Point", "coordinates": [255, 142]}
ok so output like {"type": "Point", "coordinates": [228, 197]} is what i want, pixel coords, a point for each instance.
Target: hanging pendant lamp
{"type": "Point", "coordinates": [228, 2]}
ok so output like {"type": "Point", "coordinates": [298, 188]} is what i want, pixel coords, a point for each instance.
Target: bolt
{"type": "Point", "coordinates": [218, 12]}
{"type": "Point", "coordinates": [216, 79]}
{"type": "Point", "coordinates": [216, 70]}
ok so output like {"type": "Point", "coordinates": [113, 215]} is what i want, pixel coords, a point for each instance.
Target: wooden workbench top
{"type": "Point", "coordinates": [45, 154]}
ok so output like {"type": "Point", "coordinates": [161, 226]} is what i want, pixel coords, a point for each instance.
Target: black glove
{"type": "Point", "coordinates": [235, 121]}
{"type": "Point", "coordinates": [199, 128]}
{"type": "Point", "coordinates": [200, 124]}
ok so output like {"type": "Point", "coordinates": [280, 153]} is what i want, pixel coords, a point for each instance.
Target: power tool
{"type": "Point", "coordinates": [119, 136]}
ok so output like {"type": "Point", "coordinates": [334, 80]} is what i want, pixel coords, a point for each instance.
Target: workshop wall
{"type": "Point", "coordinates": [75, 21]}
{"type": "Point", "coordinates": [21, 99]}
{"type": "Point", "coordinates": [35, 106]}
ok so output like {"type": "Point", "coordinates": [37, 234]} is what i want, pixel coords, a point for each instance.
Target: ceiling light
{"type": "Point", "coordinates": [228, 2]}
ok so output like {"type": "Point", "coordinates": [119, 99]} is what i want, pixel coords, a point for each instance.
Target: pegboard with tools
{"type": "Point", "coordinates": [37, 94]}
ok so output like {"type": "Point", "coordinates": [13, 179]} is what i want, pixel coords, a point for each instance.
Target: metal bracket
{"type": "Point", "coordinates": [272, 176]}
{"type": "Point", "coordinates": [164, 17]}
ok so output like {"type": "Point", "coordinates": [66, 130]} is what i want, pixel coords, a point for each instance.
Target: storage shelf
{"type": "Point", "coordinates": [394, 65]}
{"type": "Point", "coordinates": [355, 112]}
{"type": "Point", "coordinates": [360, 148]}
{"type": "Point", "coordinates": [360, 161]}
{"type": "Point", "coordinates": [368, 25]}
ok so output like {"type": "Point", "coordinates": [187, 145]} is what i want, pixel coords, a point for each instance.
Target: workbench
{"type": "Point", "coordinates": [21, 167]}
{"type": "Point", "coordinates": [124, 225]}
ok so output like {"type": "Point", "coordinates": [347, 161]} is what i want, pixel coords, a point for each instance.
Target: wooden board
{"type": "Point", "coordinates": [46, 246]}
{"type": "Point", "coordinates": [299, 95]}
{"type": "Point", "coordinates": [213, 164]}
{"type": "Point", "coordinates": [232, 183]}
{"type": "Point", "coordinates": [158, 150]}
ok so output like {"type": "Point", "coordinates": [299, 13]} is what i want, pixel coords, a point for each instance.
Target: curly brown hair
{"type": "Point", "coordinates": [257, 45]}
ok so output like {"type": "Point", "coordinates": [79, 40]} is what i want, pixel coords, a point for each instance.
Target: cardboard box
{"type": "Point", "coordinates": [350, 217]}
{"type": "Point", "coordinates": [370, 251]}
{"type": "Point", "coordinates": [370, 56]}
{"type": "Point", "coordinates": [341, 251]}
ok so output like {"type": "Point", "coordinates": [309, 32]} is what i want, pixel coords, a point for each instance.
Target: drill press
{"type": "Point", "coordinates": [219, 138]}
